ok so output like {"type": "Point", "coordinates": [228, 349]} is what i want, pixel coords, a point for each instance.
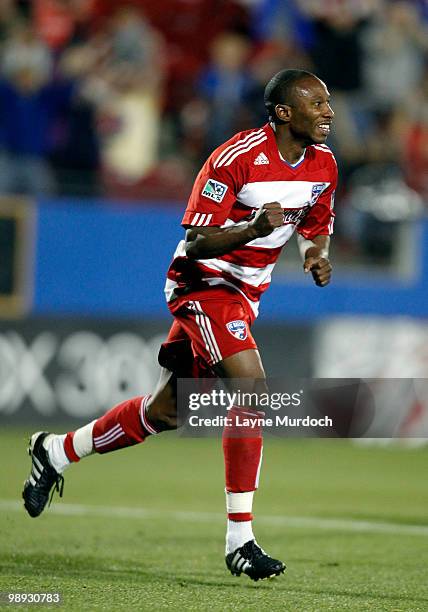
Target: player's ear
{"type": "Point", "coordinates": [283, 112]}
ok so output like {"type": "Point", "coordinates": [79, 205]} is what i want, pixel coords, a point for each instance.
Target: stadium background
{"type": "Point", "coordinates": [106, 114]}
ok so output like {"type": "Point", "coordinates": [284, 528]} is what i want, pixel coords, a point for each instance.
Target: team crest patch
{"type": "Point", "coordinates": [214, 190]}
{"type": "Point", "coordinates": [317, 190]}
{"type": "Point", "coordinates": [237, 329]}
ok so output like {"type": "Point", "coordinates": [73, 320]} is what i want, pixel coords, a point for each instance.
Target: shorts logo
{"type": "Point", "coordinates": [237, 329]}
{"type": "Point", "coordinates": [317, 190]}
{"type": "Point", "coordinates": [214, 190]}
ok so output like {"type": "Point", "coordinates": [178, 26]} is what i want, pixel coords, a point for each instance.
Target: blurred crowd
{"type": "Point", "coordinates": [126, 99]}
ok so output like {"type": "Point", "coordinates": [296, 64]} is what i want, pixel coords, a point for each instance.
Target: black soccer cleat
{"type": "Point", "coordinates": [42, 477]}
{"type": "Point", "coordinates": [253, 561]}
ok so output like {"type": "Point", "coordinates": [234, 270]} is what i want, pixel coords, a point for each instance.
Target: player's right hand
{"type": "Point", "coordinates": [268, 217]}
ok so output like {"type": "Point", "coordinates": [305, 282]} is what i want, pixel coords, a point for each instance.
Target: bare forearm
{"type": "Point", "coordinates": [315, 258]}
{"type": "Point", "coordinates": [207, 242]}
{"type": "Point", "coordinates": [218, 241]}
{"type": "Point", "coordinates": [317, 247]}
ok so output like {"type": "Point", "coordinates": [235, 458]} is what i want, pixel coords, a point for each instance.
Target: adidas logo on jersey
{"type": "Point", "coordinates": [261, 159]}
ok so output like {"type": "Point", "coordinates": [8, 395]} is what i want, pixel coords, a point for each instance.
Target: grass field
{"type": "Point", "coordinates": [143, 529]}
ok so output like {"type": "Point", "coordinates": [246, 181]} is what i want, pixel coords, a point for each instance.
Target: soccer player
{"type": "Point", "coordinates": [250, 196]}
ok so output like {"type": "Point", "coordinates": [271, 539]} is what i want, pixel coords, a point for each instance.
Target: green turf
{"type": "Point", "coordinates": [106, 562]}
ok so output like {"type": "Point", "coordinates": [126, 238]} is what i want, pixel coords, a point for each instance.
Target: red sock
{"type": "Point", "coordinates": [124, 425]}
{"type": "Point", "coordinates": [242, 448]}
{"type": "Point", "coordinates": [69, 448]}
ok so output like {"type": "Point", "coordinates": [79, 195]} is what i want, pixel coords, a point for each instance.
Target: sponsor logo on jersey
{"type": "Point", "coordinates": [293, 216]}
{"type": "Point", "coordinates": [317, 190]}
{"type": "Point", "coordinates": [261, 159]}
{"type": "Point", "coordinates": [238, 329]}
{"type": "Point", "coordinates": [214, 190]}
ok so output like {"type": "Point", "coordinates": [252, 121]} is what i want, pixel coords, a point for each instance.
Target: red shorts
{"type": "Point", "coordinates": [209, 326]}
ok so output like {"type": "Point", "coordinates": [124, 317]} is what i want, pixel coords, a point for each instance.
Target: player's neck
{"type": "Point", "coordinates": [290, 149]}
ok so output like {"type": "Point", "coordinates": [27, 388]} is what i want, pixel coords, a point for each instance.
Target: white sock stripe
{"type": "Point", "coordinates": [108, 438]}
{"type": "Point", "coordinates": [248, 148]}
{"type": "Point", "coordinates": [108, 432]}
{"type": "Point", "coordinates": [143, 416]}
{"type": "Point", "coordinates": [259, 468]}
{"type": "Point", "coordinates": [111, 434]}
{"type": "Point", "coordinates": [230, 149]}
{"type": "Point", "coordinates": [210, 332]}
{"type": "Point", "coordinates": [202, 330]}
{"type": "Point", "coordinates": [107, 442]}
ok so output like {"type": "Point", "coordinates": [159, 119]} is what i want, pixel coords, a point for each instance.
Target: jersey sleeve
{"type": "Point", "coordinates": [320, 219]}
{"type": "Point", "coordinates": [213, 195]}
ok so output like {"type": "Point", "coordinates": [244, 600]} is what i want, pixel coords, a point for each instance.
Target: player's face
{"type": "Point", "coordinates": [311, 114]}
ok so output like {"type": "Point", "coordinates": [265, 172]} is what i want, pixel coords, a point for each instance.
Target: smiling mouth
{"type": "Point", "coordinates": [324, 128]}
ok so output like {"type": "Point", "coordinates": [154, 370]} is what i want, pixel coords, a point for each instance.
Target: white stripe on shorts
{"type": "Point", "coordinates": [207, 333]}
{"type": "Point", "coordinates": [208, 346]}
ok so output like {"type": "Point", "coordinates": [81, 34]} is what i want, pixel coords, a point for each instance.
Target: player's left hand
{"type": "Point", "coordinates": [321, 270]}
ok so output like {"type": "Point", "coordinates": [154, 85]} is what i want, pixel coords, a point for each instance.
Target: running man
{"type": "Point", "coordinates": [250, 196]}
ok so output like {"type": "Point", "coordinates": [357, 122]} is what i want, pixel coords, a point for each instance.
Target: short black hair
{"type": "Point", "coordinates": [279, 90]}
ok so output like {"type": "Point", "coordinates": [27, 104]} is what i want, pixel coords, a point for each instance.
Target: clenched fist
{"type": "Point", "coordinates": [321, 269]}
{"type": "Point", "coordinates": [269, 217]}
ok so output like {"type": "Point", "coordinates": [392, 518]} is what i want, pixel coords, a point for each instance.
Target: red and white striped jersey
{"type": "Point", "coordinates": [237, 179]}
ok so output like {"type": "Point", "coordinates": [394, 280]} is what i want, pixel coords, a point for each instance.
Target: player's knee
{"type": "Point", "coordinates": [245, 364]}
{"type": "Point", "coordinates": [162, 416]}
{"type": "Point", "coordinates": [166, 423]}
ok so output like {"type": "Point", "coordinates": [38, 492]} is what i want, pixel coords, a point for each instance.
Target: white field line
{"type": "Point", "coordinates": [281, 521]}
